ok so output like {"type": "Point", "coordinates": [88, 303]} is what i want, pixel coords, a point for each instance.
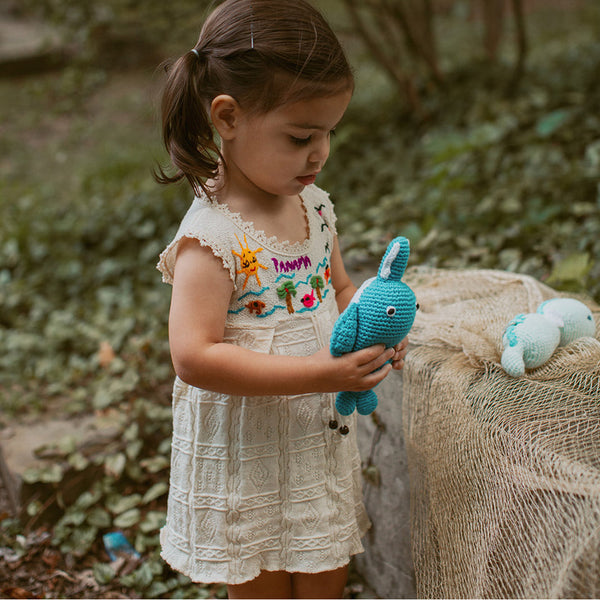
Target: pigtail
{"type": "Point", "coordinates": [187, 132]}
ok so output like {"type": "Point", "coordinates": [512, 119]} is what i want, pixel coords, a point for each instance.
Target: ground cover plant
{"type": "Point", "coordinates": [480, 179]}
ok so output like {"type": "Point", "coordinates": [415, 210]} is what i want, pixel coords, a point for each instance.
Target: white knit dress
{"type": "Point", "coordinates": [263, 483]}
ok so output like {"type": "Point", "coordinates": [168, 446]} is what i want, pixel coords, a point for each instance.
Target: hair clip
{"type": "Point", "coordinates": [195, 52]}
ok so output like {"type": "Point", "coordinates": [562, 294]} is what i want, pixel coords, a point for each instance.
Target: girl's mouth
{"type": "Point", "coordinates": [307, 179]}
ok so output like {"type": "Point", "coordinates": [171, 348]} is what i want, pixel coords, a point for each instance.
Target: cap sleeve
{"type": "Point", "coordinates": [322, 202]}
{"type": "Point", "coordinates": [209, 228]}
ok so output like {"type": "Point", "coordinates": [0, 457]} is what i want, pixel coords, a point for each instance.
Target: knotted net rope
{"type": "Point", "coordinates": [504, 473]}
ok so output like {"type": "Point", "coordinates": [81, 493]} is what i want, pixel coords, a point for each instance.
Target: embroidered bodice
{"type": "Point", "coordinates": [272, 279]}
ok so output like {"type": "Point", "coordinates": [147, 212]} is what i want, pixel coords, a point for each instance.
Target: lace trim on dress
{"type": "Point", "coordinates": [272, 242]}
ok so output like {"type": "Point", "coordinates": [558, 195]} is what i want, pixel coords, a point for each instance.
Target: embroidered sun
{"type": "Point", "coordinates": [248, 262]}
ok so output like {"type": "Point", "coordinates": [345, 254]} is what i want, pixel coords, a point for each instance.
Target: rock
{"type": "Point", "coordinates": [386, 563]}
{"type": "Point", "coordinates": [28, 47]}
{"type": "Point", "coordinates": [19, 453]}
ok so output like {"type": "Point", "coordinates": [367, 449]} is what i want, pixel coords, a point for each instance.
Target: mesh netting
{"type": "Point", "coordinates": [504, 473]}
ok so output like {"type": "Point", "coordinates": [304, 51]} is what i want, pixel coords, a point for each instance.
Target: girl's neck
{"type": "Point", "coordinates": [281, 217]}
{"type": "Point", "coordinates": [241, 195]}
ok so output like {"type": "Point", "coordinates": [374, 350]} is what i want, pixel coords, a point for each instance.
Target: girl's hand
{"type": "Point", "coordinates": [355, 371]}
{"type": "Point", "coordinates": [401, 349]}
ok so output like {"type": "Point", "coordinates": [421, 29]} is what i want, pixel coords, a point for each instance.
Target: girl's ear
{"type": "Point", "coordinates": [225, 113]}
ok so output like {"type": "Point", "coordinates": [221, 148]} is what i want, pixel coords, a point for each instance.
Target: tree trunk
{"type": "Point", "coordinates": [493, 20]}
{"type": "Point", "coordinates": [522, 45]}
{"type": "Point", "coordinates": [288, 301]}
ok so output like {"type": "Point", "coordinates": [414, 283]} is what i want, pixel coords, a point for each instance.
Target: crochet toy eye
{"type": "Point", "coordinates": [418, 307]}
{"type": "Point", "coordinates": [391, 311]}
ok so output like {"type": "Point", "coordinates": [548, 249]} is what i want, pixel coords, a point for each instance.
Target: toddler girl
{"type": "Point", "coordinates": [265, 490]}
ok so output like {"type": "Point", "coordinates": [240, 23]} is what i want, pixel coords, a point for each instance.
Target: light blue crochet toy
{"type": "Point", "coordinates": [381, 312]}
{"type": "Point", "coordinates": [530, 339]}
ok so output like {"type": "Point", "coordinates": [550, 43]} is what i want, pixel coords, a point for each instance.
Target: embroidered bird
{"type": "Point", "coordinates": [319, 210]}
{"type": "Point", "coordinates": [309, 299]}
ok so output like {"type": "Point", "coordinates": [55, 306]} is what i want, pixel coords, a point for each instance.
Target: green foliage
{"type": "Point", "coordinates": [127, 494]}
{"type": "Point", "coordinates": [488, 181]}
{"type": "Point", "coordinates": [75, 275]}
{"type": "Point", "coordinates": [121, 33]}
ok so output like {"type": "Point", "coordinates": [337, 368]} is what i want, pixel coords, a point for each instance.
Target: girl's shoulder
{"type": "Point", "coordinates": [205, 223]}
{"type": "Point", "coordinates": [320, 200]}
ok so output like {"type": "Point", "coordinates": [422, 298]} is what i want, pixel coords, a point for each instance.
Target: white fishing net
{"type": "Point", "coordinates": [504, 472]}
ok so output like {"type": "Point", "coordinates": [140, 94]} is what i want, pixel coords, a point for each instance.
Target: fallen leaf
{"type": "Point", "coordinates": [106, 354]}
{"type": "Point", "coordinates": [87, 579]}
{"type": "Point", "coordinates": [51, 558]}
{"type": "Point", "coordinates": [17, 592]}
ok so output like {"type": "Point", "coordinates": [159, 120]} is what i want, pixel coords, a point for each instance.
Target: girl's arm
{"type": "Point", "coordinates": [344, 288]}
{"type": "Point", "coordinates": [201, 292]}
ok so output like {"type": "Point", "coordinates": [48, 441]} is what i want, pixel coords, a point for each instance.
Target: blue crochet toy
{"type": "Point", "coordinates": [381, 312]}
{"type": "Point", "coordinates": [530, 339]}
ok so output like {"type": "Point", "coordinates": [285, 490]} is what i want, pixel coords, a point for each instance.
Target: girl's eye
{"type": "Point", "coordinates": [332, 132]}
{"type": "Point", "coordinates": [300, 141]}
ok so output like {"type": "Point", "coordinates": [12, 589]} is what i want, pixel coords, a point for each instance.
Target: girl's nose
{"type": "Point", "coordinates": [320, 151]}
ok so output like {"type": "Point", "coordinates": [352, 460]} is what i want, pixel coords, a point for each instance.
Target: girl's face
{"type": "Point", "coordinates": [279, 153]}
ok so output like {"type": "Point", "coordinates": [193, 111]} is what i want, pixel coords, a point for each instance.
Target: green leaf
{"type": "Point", "coordinates": [118, 504]}
{"type": "Point", "coordinates": [88, 498]}
{"type": "Point", "coordinates": [47, 474]}
{"type": "Point", "coordinates": [140, 579]}
{"type": "Point", "coordinates": [552, 122]}
{"type": "Point", "coordinates": [115, 464]}
{"type": "Point", "coordinates": [33, 508]}
{"type": "Point", "coordinates": [103, 573]}
{"type": "Point", "coordinates": [99, 518]}
{"type": "Point", "coordinates": [153, 521]}
{"type": "Point", "coordinates": [145, 542]}
{"type": "Point", "coordinates": [73, 517]}
{"type": "Point", "coordinates": [202, 592]}
{"type": "Point", "coordinates": [573, 268]}
{"type": "Point", "coordinates": [132, 432]}
{"type": "Point", "coordinates": [128, 519]}
{"type": "Point", "coordinates": [78, 461]}
{"type": "Point", "coordinates": [157, 590]}
{"type": "Point", "coordinates": [155, 464]}
{"type": "Point", "coordinates": [82, 539]}
{"type": "Point", "coordinates": [156, 491]}
{"type": "Point", "coordinates": [134, 448]}
{"type": "Point", "coordinates": [67, 444]}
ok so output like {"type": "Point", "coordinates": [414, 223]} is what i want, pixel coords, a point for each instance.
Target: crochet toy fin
{"type": "Point", "coordinates": [343, 337]}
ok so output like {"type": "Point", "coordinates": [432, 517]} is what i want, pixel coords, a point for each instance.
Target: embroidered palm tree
{"type": "Point", "coordinates": [286, 290]}
{"type": "Point", "coordinates": [317, 284]}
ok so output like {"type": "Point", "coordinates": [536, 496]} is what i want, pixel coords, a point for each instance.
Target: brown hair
{"type": "Point", "coordinates": [263, 53]}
